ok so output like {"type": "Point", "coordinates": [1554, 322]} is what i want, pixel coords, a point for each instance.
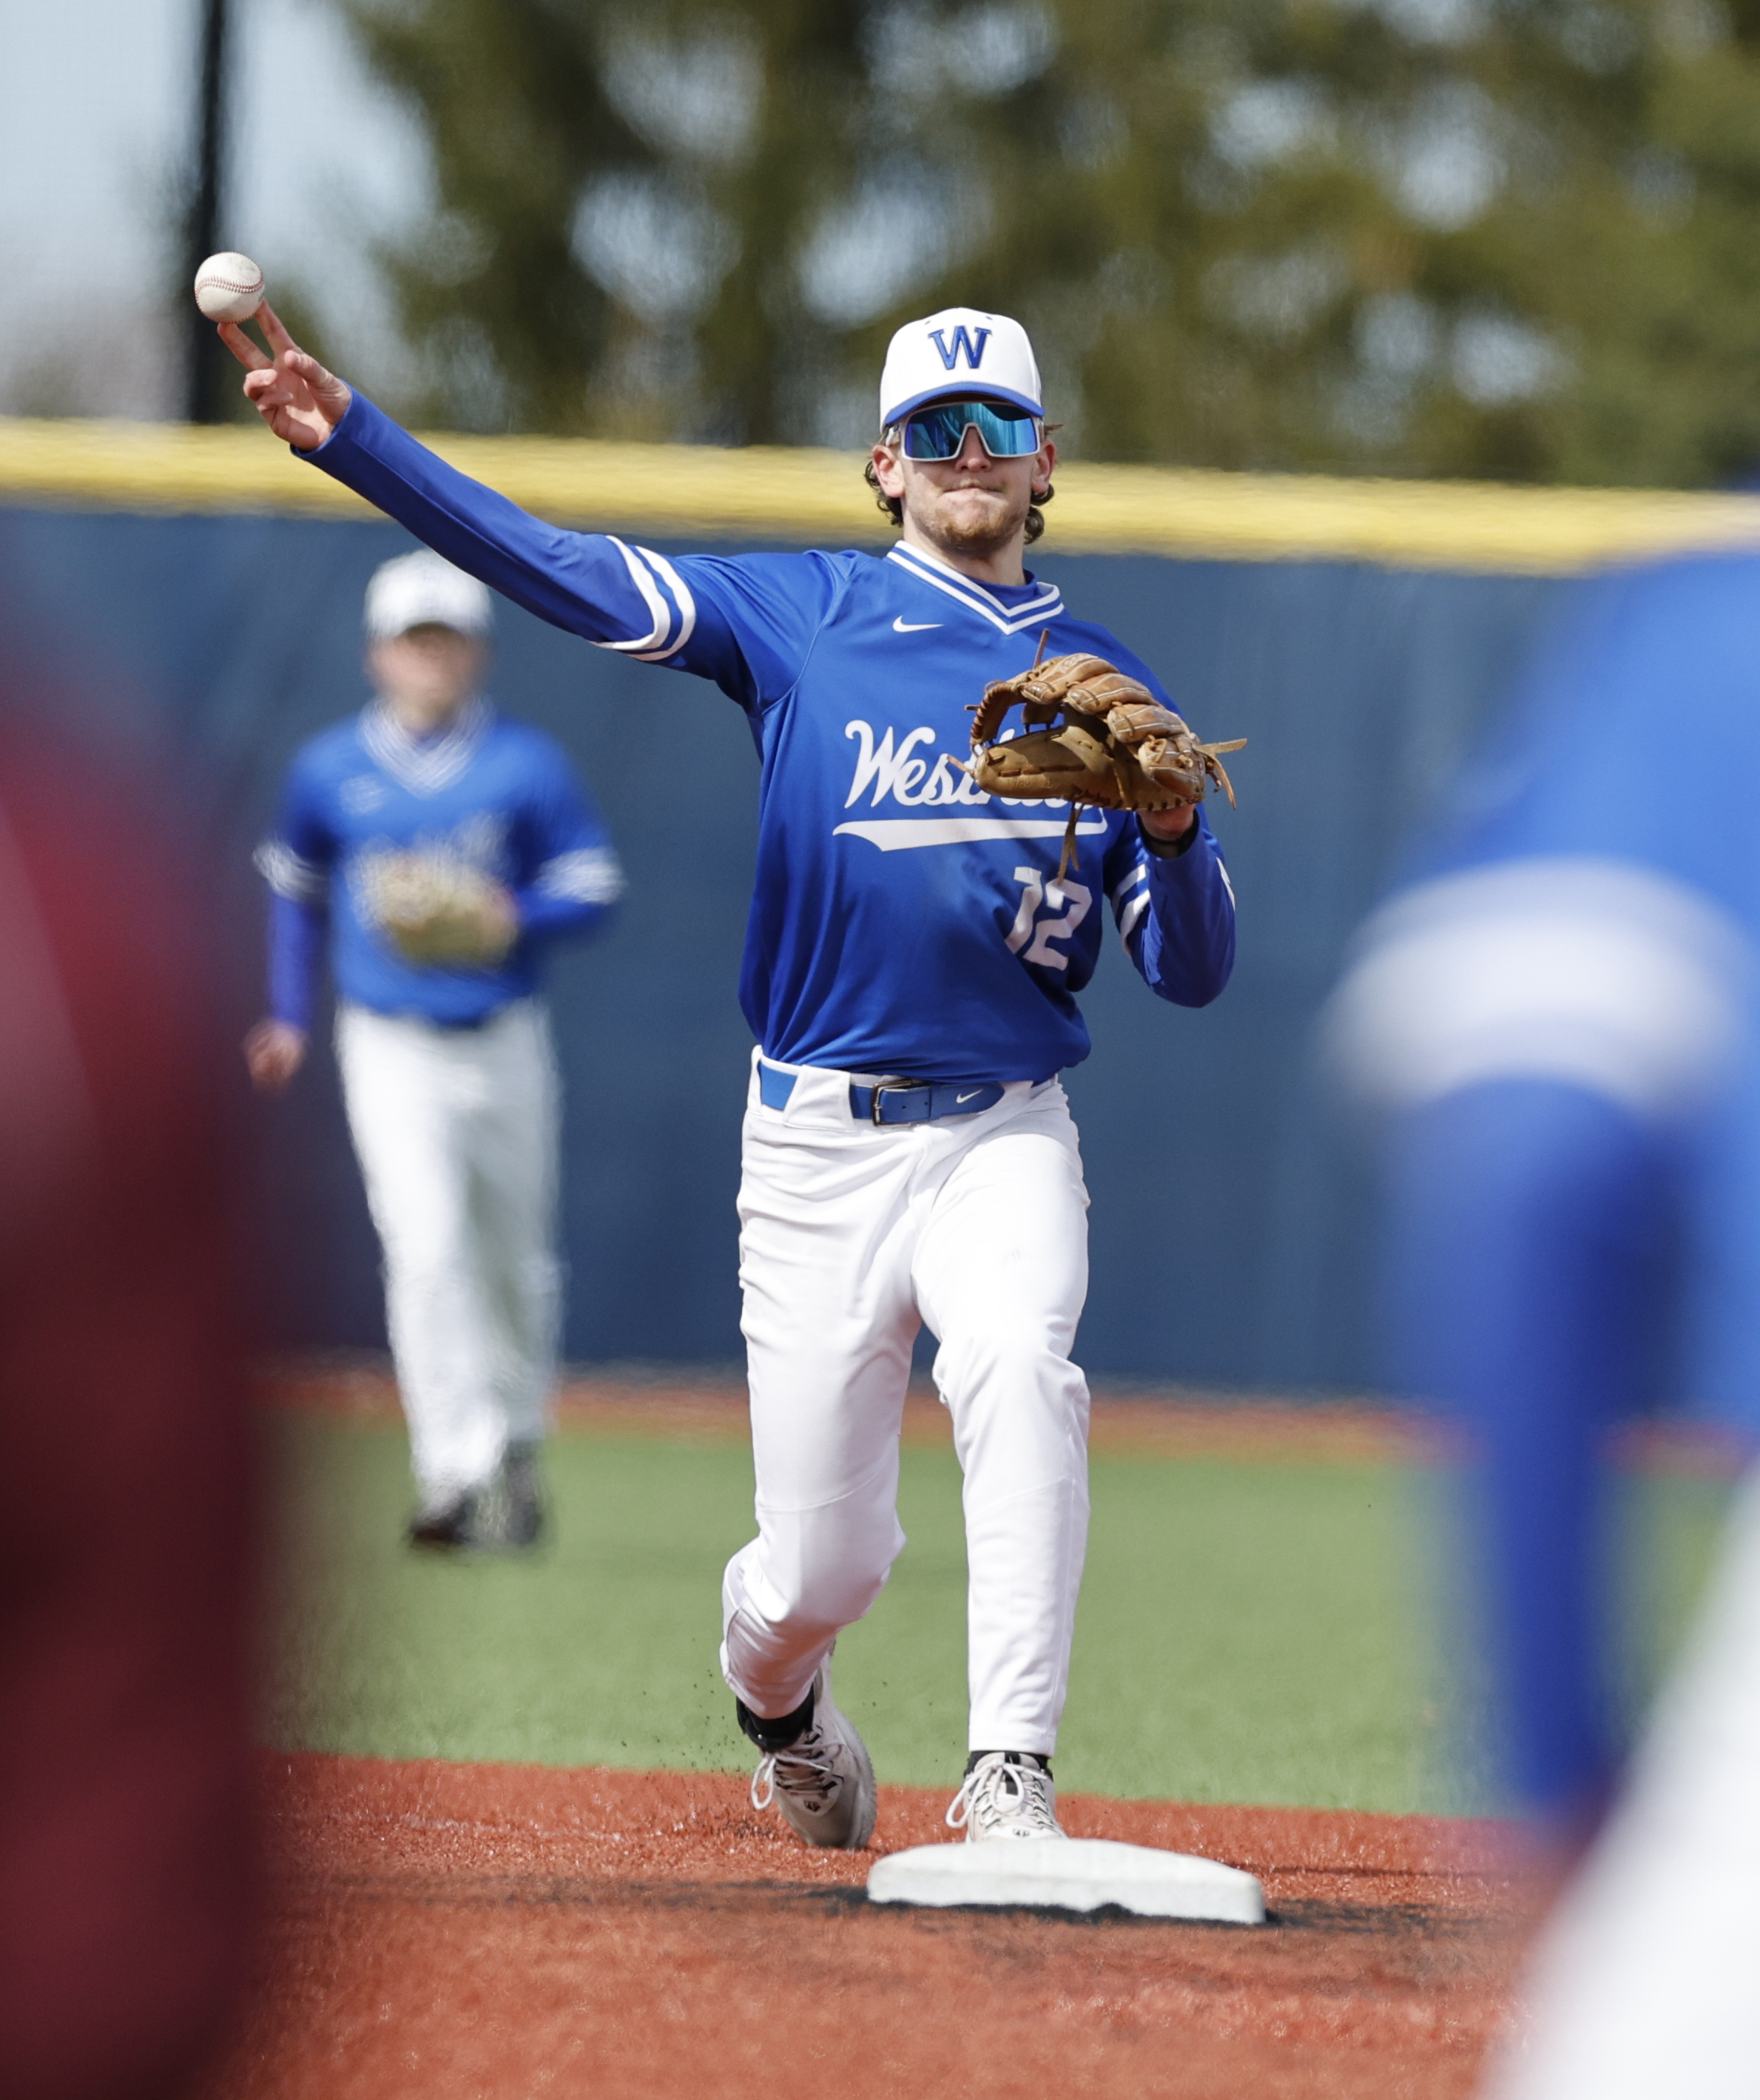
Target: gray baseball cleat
{"type": "Point", "coordinates": [445, 1525]}
{"type": "Point", "coordinates": [511, 1516]}
{"type": "Point", "coordinates": [1006, 1793]}
{"type": "Point", "coordinates": [823, 1781]}
{"type": "Point", "coordinates": [503, 1514]}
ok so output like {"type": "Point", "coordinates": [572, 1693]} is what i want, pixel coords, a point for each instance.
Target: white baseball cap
{"type": "Point", "coordinates": [423, 589]}
{"type": "Point", "coordinates": [959, 351]}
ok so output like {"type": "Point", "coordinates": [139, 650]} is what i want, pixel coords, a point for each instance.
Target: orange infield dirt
{"type": "Point", "coordinates": [1164, 1422]}
{"type": "Point", "coordinates": [495, 1931]}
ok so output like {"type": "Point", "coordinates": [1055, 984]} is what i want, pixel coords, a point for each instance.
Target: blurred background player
{"type": "Point", "coordinates": [442, 845]}
{"type": "Point", "coordinates": [1561, 1014]}
{"type": "Point", "coordinates": [911, 956]}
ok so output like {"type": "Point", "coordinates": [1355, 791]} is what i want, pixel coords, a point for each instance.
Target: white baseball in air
{"type": "Point", "coordinates": [229, 286]}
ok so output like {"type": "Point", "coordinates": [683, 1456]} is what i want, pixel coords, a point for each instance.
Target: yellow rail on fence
{"type": "Point", "coordinates": [803, 496]}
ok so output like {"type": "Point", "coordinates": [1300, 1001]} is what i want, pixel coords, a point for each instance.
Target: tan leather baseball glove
{"type": "Point", "coordinates": [1094, 735]}
{"type": "Point", "coordinates": [439, 912]}
{"type": "Point", "coordinates": [1091, 735]}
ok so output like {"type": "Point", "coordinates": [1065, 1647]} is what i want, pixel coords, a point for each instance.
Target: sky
{"type": "Point", "coordinates": [322, 162]}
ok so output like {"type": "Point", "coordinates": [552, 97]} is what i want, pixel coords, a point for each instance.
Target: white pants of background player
{"type": "Point", "coordinates": [1646, 1982]}
{"type": "Point", "coordinates": [457, 1132]}
{"type": "Point", "coordinates": [977, 1227]}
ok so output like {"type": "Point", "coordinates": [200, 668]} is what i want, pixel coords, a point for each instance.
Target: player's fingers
{"type": "Point", "coordinates": [329, 396]}
{"type": "Point", "coordinates": [274, 333]}
{"type": "Point", "coordinates": [307, 367]}
{"type": "Point", "coordinates": [241, 346]}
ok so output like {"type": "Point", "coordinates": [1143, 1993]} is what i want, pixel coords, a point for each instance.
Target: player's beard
{"type": "Point", "coordinates": [978, 538]}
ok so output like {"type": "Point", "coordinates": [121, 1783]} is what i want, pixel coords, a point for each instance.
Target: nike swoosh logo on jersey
{"type": "Point", "coordinates": [903, 626]}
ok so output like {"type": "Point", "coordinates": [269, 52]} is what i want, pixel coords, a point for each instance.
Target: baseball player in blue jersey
{"type": "Point", "coordinates": [911, 972]}
{"type": "Point", "coordinates": [438, 848]}
{"type": "Point", "coordinates": [1560, 1014]}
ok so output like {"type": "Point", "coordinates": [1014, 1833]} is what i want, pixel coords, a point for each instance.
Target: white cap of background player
{"type": "Point", "coordinates": [957, 353]}
{"type": "Point", "coordinates": [423, 589]}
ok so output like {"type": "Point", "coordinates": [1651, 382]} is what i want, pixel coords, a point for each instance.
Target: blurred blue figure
{"type": "Point", "coordinates": [1558, 1013]}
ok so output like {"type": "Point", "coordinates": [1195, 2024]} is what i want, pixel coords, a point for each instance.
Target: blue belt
{"type": "Point", "coordinates": [893, 1100]}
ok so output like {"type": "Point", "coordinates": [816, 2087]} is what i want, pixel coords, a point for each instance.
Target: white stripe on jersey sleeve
{"type": "Point", "coordinates": [1596, 973]}
{"type": "Point", "coordinates": [681, 597]}
{"type": "Point", "coordinates": [1128, 917]}
{"type": "Point", "coordinates": [1127, 883]}
{"type": "Point", "coordinates": [299, 881]}
{"type": "Point", "coordinates": [660, 641]}
{"type": "Point", "coordinates": [591, 875]}
{"type": "Point", "coordinates": [1127, 908]}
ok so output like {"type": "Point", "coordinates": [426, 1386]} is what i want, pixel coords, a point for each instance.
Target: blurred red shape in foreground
{"type": "Point", "coordinates": [127, 1531]}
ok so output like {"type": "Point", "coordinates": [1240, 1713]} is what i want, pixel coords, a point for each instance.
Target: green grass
{"type": "Point", "coordinates": [1247, 1632]}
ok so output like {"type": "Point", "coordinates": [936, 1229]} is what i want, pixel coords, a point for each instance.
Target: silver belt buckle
{"type": "Point", "coordinates": [893, 1085]}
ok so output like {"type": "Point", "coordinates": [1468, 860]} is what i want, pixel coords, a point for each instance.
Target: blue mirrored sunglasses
{"type": "Point", "coordinates": [937, 432]}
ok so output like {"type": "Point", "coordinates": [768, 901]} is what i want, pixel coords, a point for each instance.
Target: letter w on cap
{"type": "Point", "coordinates": [974, 351]}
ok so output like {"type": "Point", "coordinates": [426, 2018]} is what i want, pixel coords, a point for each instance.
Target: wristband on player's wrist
{"type": "Point", "coordinates": [1168, 849]}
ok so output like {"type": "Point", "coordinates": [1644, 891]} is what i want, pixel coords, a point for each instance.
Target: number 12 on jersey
{"type": "Point", "coordinates": [1065, 905]}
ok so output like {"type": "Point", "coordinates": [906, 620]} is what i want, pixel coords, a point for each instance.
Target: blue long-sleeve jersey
{"type": "Point", "coordinates": [496, 795]}
{"type": "Point", "coordinates": [1560, 1009]}
{"type": "Point", "coordinates": [901, 922]}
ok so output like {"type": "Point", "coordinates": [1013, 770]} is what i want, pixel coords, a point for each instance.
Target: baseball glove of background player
{"type": "Point", "coordinates": [438, 911]}
{"type": "Point", "coordinates": [1091, 735]}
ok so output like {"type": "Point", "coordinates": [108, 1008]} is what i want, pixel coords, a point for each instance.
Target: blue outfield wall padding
{"type": "Point", "coordinates": [1230, 1227]}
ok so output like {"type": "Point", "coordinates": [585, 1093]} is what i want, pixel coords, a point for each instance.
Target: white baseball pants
{"type": "Point", "coordinates": [851, 1236]}
{"type": "Point", "coordinates": [456, 1131]}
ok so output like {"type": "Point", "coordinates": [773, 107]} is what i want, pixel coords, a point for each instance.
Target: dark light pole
{"type": "Point", "coordinates": [208, 385]}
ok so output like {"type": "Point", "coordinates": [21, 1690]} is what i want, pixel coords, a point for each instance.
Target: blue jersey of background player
{"type": "Point", "coordinates": [1560, 1009]}
{"type": "Point", "coordinates": [911, 962]}
{"type": "Point", "coordinates": [494, 794]}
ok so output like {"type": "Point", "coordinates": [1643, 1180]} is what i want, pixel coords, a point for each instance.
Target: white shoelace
{"type": "Point", "coordinates": [805, 1770]}
{"type": "Point", "coordinates": [999, 1799]}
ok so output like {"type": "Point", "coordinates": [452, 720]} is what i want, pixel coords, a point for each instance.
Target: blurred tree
{"type": "Point", "coordinates": [1492, 237]}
